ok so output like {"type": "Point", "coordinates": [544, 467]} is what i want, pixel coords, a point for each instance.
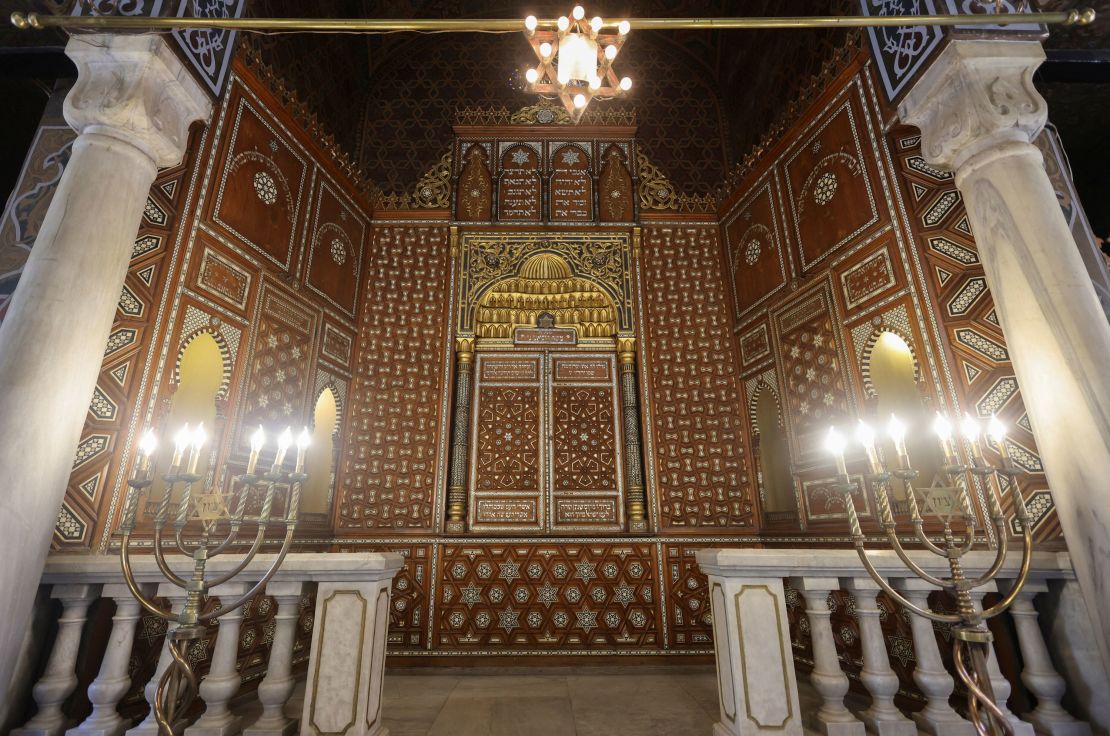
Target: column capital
{"type": "Point", "coordinates": [976, 95]}
{"type": "Point", "coordinates": [134, 89]}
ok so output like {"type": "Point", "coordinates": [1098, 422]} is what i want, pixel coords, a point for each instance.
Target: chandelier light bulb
{"type": "Point", "coordinates": [579, 12]}
{"type": "Point", "coordinates": [595, 82]}
{"type": "Point", "coordinates": [199, 436]}
{"type": "Point", "coordinates": [545, 50]}
{"type": "Point", "coordinates": [610, 52]}
{"type": "Point", "coordinates": [997, 430]}
{"type": "Point", "coordinates": [624, 27]}
{"type": "Point", "coordinates": [626, 83]}
{"type": "Point", "coordinates": [149, 443]}
{"type": "Point", "coordinates": [531, 75]}
{"type": "Point", "coordinates": [595, 23]}
{"type": "Point", "coordinates": [563, 23]}
{"type": "Point", "coordinates": [580, 100]}
{"type": "Point", "coordinates": [969, 428]}
{"type": "Point", "coordinates": [530, 23]}
{"type": "Point", "coordinates": [258, 439]}
{"type": "Point", "coordinates": [834, 442]}
{"type": "Point", "coordinates": [865, 435]}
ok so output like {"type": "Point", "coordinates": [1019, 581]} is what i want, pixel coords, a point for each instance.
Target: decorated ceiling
{"type": "Point", "coordinates": [390, 100]}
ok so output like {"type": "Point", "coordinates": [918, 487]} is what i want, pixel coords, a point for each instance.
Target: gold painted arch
{"type": "Point", "coordinates": [545, 284]}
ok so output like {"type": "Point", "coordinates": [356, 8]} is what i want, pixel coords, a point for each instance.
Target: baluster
{"type": "Point", "coordinates": [1039, 675]}
{"type": "Point", "coordinates": [223, 680]}
{"type": "Point", "coordinates": [938, 717]}
{"type": "Point", "coordinates": [60, 677]}
{"type": "Point", "coordinates": [882, 718]}
{"type": "Point", "coordinates": [277, 686]}
{"type": "Point", "coordinates": [113, 679]}
{"type": "Point", "coordinates": [999, 683]}
{"type": "Point", "coordinates": [149, 726]}
{"type": "Point", "coordinates": [828, 679]}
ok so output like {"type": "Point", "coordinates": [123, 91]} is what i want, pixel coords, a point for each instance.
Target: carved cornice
{"type": "Point", "coordinates": [135, 89]}
{"type": "Point", "coordinates": [543, 112]}
{"type": "Point", "coordinates": [976, 95]}
{"type": "Point", "coordinates": [656, 192]}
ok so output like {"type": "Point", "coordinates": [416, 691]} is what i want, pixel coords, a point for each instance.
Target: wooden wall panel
{"type": "Point", "coordinates": [701, 472]}
{"type": "Point", "coordinates": [389, 473]}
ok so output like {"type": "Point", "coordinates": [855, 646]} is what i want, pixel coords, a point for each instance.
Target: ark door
{"type": "Point", "coordinates": [545, 451]}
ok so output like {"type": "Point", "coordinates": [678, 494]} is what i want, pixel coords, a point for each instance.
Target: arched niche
{"type": "Point", "coordinates": [199, 382]}
{"type": "Point", "coordinates": [774, 454]}
{"type": "Point", "coordinates": [320, 459]}
{"type": "Point", "coordinates": [545, 284]}
{"type": "Point", "coordinates": [890, 365]}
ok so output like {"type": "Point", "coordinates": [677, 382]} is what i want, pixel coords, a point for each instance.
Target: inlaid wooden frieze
{"type": "Point", "coordinates": [562, 596]}
{"type": "Point", "coordinates": [473, 196]}
{"type": "Point", "coordinates": [614, 196]}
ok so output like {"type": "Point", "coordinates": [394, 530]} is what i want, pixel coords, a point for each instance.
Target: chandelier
{"type": "Point", "coordinates": [576, 60]}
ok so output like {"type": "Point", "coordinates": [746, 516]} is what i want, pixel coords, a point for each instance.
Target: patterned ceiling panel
{"type": "Point", "coordinates": [390, 99]}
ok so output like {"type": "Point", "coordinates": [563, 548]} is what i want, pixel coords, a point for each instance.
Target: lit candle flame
{"type": "Point", "coordinates": [149, 443]}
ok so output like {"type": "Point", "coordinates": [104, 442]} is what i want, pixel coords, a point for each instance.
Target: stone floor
{"type": "Point", "coordinates": [566, 701]}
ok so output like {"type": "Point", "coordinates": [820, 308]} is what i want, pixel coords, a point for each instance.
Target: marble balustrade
{"type": "Point", "coordinates": [345, 665]}
{"type": "Point", "coordinates": [757, 683]}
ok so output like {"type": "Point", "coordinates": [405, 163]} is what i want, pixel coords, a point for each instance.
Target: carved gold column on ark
{"type": "Point", "coordinates": [460, 433]}
{"type": "Point", "coordinates": [633, 464]}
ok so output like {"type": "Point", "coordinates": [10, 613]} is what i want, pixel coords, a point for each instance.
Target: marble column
{"type": "Point", "coordinates": [113, 679]}
{"type": "Point", "coordinates": [932, 679]}
{"type": "Point", "coordinates": [132, 106]}
{"type": "Point", "coordinates": [883, 717]}
{"type": "Point", "coordinates": [60, 677]}
{"type": "Point", "coordinates": [277, 685]}
{"type": "Point", "coordinates": [460, 436]}
{"type": "Point", "coordinates": [978, 111]}
{"type": "Point", "coordinates": [223, 679]}
{"type": "Point", "coordinates": [633, 459]}
{"type": "Point", "coordinates": [827, 678]}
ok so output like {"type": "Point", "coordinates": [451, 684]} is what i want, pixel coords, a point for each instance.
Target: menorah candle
{"type": "Point", "coordinates": [834, 443]}
{"type": "Point", "coordinates": [180, 442]}
{"type": "Point", "coordinates": [197, 440]}
{"type": "Point", "coordinates": [943, 429]}
{"type": "Point", "coordinates": [997, 431]}
{"type": "Point", "coordinates": [897, 432]}
{"type": "Point", "coordinates": [970, 430]}
{"type": "Point", "coordinates": [258, 439]}
{"type": "Point", "coordinates": [866, 437]}
{"type": "Point", "coordinates": [303, 442]}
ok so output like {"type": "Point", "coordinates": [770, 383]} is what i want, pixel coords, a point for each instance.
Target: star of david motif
{"type": "Point", "coordinates": [587, 619]}
{"type": "Point", "coordinates": [509, 571]}
{"type": "Point", "coordinates": [509, 620]}
{"type": "Point", "coordinates": [940, 501]}
{"type": "Point", "coordinates": [570, 157]}
{"type": "Point", "coordinates": [548, 594]}
{"type": "Point", "coordinates": [587, 571]}
{"type": "Point", "coordinates": [624, 594]}
{"type": "Point", "coordinates": [520, 157]}
{"type": "Point", "coordinates": [471, 594]}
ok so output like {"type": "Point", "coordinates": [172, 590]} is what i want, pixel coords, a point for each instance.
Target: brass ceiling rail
{"type": "Point", "coordinates": [507, 25]}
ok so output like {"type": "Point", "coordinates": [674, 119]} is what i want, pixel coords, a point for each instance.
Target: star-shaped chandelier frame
{"type": "Point", "coordinates": [575, 60]}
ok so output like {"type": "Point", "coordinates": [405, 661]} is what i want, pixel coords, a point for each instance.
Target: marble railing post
{"type": "Point", "coordinates": [999, 684]}
{"type": "Point", "coordinates": [1042, 679]}
{"type": "Point", "coordinates": [460, 436]}
{"type": "Point", "coordinates": [930, 676]}
{"type": "Point", "coordinates": [132, 106]}
{"type": "Point", "coordinates": [978, 111]}
{"type": "Point", "coordinates": [223, 680]}
{"type": "Point", "coordinates": [827, 678]}
{"type": "Point", "coordinates": [113, 679]}
{"type": "Point", "coordinates": [60, 677]}
{"type": "Point", "coordinates": [882, 718]}
{"type": "Point", "coordinates": [343, 691]}
{"type": "Point", "coordinates": [756, 685]}
{"type": "Point", "coordinates": [277, 685]}
{"type": "Point", "coordinates": [149, 726]}
{"type": "Point", "coordinates": [633, 459]}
